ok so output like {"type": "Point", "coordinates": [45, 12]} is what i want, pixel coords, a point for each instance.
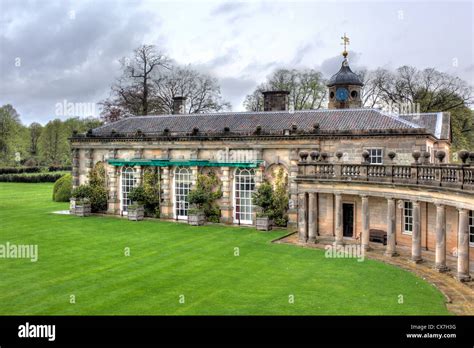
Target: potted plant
{"type": "Point", "coordinates": [136, 210]}
{"type": "Point", "coordinates": [197, 198]}
{"type": "Point", "coordinates": [80, 203]}
{"type": "Point", "coordinates": [263, 199]}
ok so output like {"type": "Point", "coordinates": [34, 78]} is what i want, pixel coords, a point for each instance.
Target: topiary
{"type": "Point", "coordinates": [62, 188]}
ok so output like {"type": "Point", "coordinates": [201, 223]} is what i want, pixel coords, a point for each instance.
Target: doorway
{"type": "Point", "coordinates": [348, 219]}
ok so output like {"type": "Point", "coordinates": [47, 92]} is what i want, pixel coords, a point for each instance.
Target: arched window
{"type": "Point", "coordinates": [182, 186]}
{"type": "Point", "coordinates": [127, 184]}
{"type": "Point", "coordinates": [244, 186]}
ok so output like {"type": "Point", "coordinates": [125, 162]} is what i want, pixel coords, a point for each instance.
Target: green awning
{"type": "Point", "coordinates": [183, 163]}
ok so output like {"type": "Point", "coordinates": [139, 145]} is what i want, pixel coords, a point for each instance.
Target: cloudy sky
{"type": "Point", "coordinates": [56, 51]}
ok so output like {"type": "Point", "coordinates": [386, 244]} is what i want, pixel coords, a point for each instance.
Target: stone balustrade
{"type": "Point", "coordinates": [450, 176]}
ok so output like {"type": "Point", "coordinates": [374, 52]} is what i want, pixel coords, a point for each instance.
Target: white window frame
{"type": "Point", "coordinates": [471, 228]}
{"type": "Point", "coordinates": [245, 177]}
{"type": "Point", "coordinates": [183, 176]}
{"type": "Point", "coordinates": [377, 156]}
{"type": "Point", "coordinates": [407, 217]}
{"type": "Point", "coordinates": [127, 173]}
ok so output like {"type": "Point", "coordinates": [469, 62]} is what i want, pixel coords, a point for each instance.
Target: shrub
{"type": "Point", "coordinates": [96, 195]}
{"type": "Point", "coordinates": [151, 185]}
{"type": "Point", "coordinates": [263, 198]}
{"type": "Point", "coordinates": [62, 189]}
{"type": "Point", "coordinates": [204, 195]}
{"type": "Point", "coordinates": [138, 195]}
{"type": "Point", "coordinates": [273, 200]}
{"type": "Point", "coordinates": [82, 191]}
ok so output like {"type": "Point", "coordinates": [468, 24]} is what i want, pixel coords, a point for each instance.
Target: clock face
{"type": "Point", "coordinates": [342, 94]}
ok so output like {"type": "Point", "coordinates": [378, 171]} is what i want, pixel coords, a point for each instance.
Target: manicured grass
{"type": "Point", "coordinates": [85, 257]}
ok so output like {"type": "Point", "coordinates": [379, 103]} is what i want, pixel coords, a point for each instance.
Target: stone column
{"type": "Point", "coordinates": [391, 249]}
{"type": "Point", "coordinates": [302, 222]}
{"type": "Point", "coordinates": [463, 246]}
{"type": "Point", "coordinates": [226, 204]}
{"type": "Point", "coordinates": [166, 204]}
{"type": "Point", "coordinates": [365, 222]}
{"type": "Point", "coordinates": [312, 217]}
{"type": "Point", "coordinates": [441, 238]}
{"type": "Point", "coordinates": [416, 234]}
{"type": "Point", "coordinates": [339, 240]}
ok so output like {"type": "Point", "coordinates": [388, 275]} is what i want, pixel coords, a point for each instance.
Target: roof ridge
{"type": "Point", "coordinates": [254, 112]}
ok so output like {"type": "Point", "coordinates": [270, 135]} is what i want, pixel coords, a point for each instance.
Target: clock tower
{"type": "Point", "coordinates": [345, 85]}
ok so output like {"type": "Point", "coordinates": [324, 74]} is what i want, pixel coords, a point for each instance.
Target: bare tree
{"type": "Point", "coordinates": [133, 92]}
{"type": "Point", "coordinates": [429, 89]}
{"type": "Point", "coordinates": [307, 89]}
{"type": "Point", "coordinates": [202, 92]}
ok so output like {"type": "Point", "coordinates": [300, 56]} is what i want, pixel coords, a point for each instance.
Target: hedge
{"type": "Point", "coordinates": [21, 170]}
{"type": "Point", "coordinates": [32, 178]}
{"type": "Point", "coordinates": [62, 188]}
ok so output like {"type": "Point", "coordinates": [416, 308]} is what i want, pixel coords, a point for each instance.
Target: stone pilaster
{"type": "Point", "coordinates": [293, 188]}
{"type": "Point", "coordinates": [416, 234]}
{"type": "Point", "coordinates": [391, 249]}
{"type": "Point", "coordinates": [75, 168]}
{"type": "Point", "coordinates": [113, 180]}
{"type": "Point", "coordinates": [138, 175]}
{"type": "Point", "coordinates": [463, 246]}
{"type": "Point", "coordinates": [440, 256]}
{"type": "Point", "coordinates": [365, 222]}
{"type": "Point", "coordinates": [166, 207]}
{"type": "Point", "coordinates": [339, 240]}
{"type": "Point", "coordinates": [89, 162]}
{"type": "Point", "coordinates": [312, 217]}
{"type": "Point", "coordinates": [194, 175]}
{"type": "Point", "coordinates": [302, 221]}
{"type": "Point", "coordinates": [226, 203]}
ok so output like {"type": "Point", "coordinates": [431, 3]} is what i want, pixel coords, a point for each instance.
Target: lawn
{"type": "Point", "coordinates": [171, 263]}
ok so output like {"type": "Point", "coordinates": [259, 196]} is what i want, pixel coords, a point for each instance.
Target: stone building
{"type": "Point", "coordinates": [352, 171]}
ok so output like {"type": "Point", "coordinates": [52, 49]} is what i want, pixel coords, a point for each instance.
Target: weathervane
{"type": "Point", "coordinates": [345, 42]}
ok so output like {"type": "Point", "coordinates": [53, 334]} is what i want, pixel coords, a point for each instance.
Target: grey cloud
{"type": "Point", "coordinates": [63, 57]}
{"type": "Point", "coordinates": [227, 7]}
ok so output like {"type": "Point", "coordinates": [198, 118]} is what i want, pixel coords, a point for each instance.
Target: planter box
{"type": "Point", "coordinates": [196, 219]}
{"type": "Point", "coordinates": [82, 210]}
{"type": "Point", "coordinates": [72, 206]}
{"type": "Point", "coordinates": [264, 223]}
{"type": "Point", "coordinates": [136, 214]}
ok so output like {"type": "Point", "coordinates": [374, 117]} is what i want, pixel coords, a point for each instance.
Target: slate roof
{"type": "Point", "coordinates": [271, 122]}
{"type": "Point", "coordinates": [437, 123]}
{"type": "Point", "coordinates": [345, 76]}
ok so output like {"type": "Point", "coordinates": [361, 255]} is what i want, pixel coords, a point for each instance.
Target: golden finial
{"type": "Point", "coordinates": [345, 42]}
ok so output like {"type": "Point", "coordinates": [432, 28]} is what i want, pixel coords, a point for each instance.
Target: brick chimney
{"type": "Point", "coordinates": [275, 100]}
{"type": "Point", "coordinates": [179, 105]}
